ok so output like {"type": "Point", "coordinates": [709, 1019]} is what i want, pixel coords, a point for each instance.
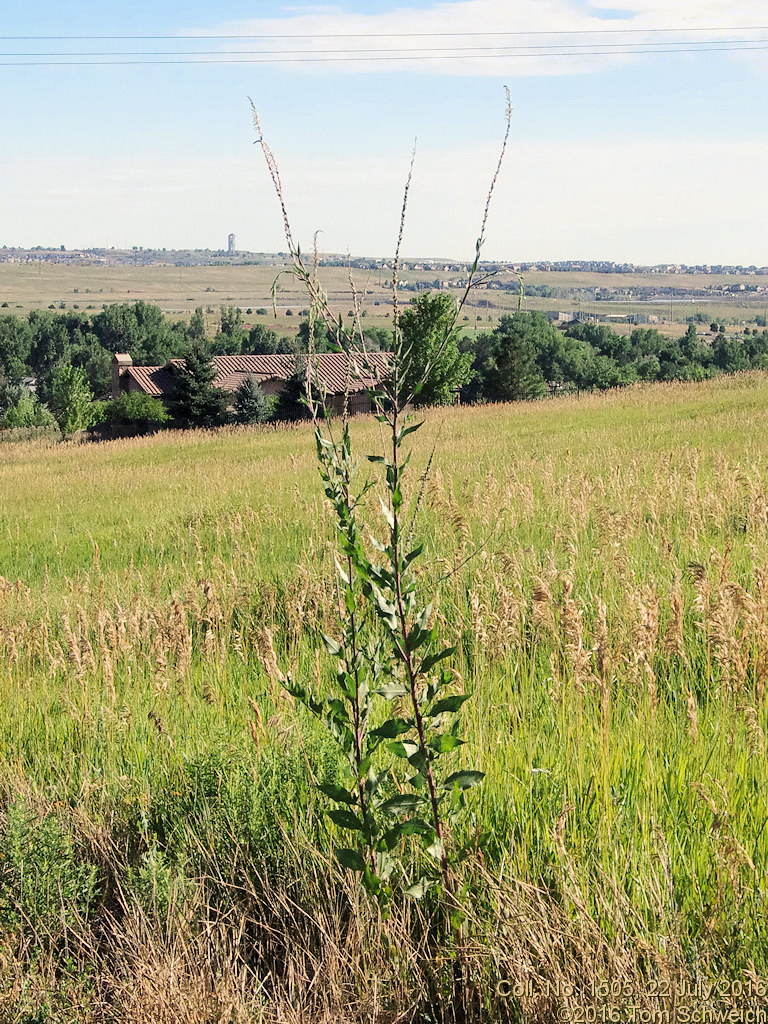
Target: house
{"type": "Point", "coordinates": [336, 374]}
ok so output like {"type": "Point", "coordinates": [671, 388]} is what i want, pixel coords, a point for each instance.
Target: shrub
{"type": "Point", "coordinates": [135, 407]}
{"type": "Point", "coordinates": [28, 411]}
{"type": "Point", "coordinates": [251, 404]}
{"type": "Point", "coordinates": [42, 878]}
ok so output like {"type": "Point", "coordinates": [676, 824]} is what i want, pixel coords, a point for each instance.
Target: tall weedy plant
{"type": "Point", "coordinates": [394, 709]}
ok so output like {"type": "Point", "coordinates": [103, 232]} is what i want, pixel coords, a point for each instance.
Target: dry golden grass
{"type": "Point", "coordinates": [602, 566]}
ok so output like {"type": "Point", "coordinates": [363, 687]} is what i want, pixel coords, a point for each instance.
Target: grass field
{"type": "Point", "coordinates": [178, 290]}
{"type": "Point", "coordinates": [601, 565]}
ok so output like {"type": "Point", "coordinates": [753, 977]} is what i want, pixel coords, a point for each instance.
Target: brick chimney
{"type": "Point", "coordinates": [120, 363]}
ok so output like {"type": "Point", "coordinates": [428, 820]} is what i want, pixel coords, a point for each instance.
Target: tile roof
{"type": "Point", "coordinates": [153, 380]}
{"type": "Point", "coordinates": [331, 371]}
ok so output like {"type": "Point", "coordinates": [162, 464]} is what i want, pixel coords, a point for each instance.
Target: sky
{"type": "Point", "coordinates": [639, 128]}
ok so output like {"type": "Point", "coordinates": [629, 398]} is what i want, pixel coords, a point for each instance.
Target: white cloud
{"type": "Point", "coordinates": [519, 39]}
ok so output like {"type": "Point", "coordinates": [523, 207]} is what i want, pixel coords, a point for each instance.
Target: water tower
{"type": "Point", "coordinates": [231, 246]}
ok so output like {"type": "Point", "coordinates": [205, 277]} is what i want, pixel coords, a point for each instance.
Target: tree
{"type": "Point", "coordinates": [51, 346]}
{"type": "Point", "coordinates": [291, 404]}
{"type": "Point", "coordinates": [196, 326]}
{"type": "Point", "coordinates": [141, 329]}
{"type": "Point", "coordinates": [251, 404]}
{"type": "Point", "coordinates": [377, 339]}
{"type": "Point", "coordinates": [196, 401]}
{"type": "Point", "coordinates": [690, 343]}
{"type": "Point", "coordinates": [229, 340]}
{"type": "Point", "coordinates": [26, 411]}
{"type": "Point", "coordinates": [515, 375]}
{"type": "Point", "coordinates": [87, 351]}
{"type": "Point", "coordinates": [322, 340]}
{"type": "Point", "coordinates": [507, 360]}
{"type": "Point", "coordinates": [72, 401]}
{"type": "Point", "coordinates": [430, 344]}
{"type": "Point", "coordinates": [15, 344]}
{"type": "Point", "coordinates": [728, 354]}
{"type": "Point", "coordinates": [261, 341]}
{"type": "Point", "coordinates": [605, 341]}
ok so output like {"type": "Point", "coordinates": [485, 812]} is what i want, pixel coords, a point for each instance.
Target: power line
{"type": "Point", "coordinates": [406, 34]}
{"type": "Point", "coordinates": [545, 50]}
{"type": "Point", "coordinates": [363, 57]}
{"type": "Point", "coordinates": [373, 51]}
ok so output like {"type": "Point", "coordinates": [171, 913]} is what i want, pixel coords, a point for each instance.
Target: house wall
{"type": "Point", "coordinates": [129, 384]}
{"type": "Point", "coordinates": [358, 404]}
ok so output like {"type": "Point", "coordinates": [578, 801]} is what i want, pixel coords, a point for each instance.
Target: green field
{"type": "Point", "coordinates": [601, 565]}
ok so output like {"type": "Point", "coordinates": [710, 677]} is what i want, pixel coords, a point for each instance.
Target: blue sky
{"type": "Point", "coordinates": [646, 157]}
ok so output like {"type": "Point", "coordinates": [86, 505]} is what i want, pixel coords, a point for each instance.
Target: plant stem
{"type": "Point", "coordinates": [407, 659]}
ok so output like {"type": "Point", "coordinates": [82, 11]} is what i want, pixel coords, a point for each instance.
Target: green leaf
{"type": "Point", "coordinates": [411, 827]}
{"type": "Point", "coordinates": [418, 759]}
{"type": "Point", "coordinates": [416, 637]}
{"type": "Point", "coordinates": [416, 826]}
{"type": "Point", "coordinates": [432, 659]}
{"type": "Point", "coordinates": [412, 554]}
{"type": "Point", "coordinates": [404, 748]}
{"type": "Point", "coordinates": [345, 819]}
{"type": "Point", "coordinates": [350, 859]}
{"type": "Point", "coordinates": [404, 803]}
{"type": "Point", "coordinates": [457, 920]}
{"type": "Point", "coordinates": [448, 704]}
{"type": "Point", "coordinates": [464, 780]}
{"type": "Point", "coordinates": [409, 430]}
{"type": "Point", "coordinates": [338, 710]}
{"type": "Point", "coordinates": [393, 728]}
{"type": "Point", "coordinates": [420, 888]}
{"type": "Point", "coordinates": [422, 619]}
{"type": "Point", "coordinates": [444, 743]}
{"type": "Point", "coordinates": [385, 608]}
{"type": "Point", "coordinates": [371, 881]}
{"type": "Point", "coordinates": [337, 793]}
{"type": "Point", "coordinates": [385, 865]}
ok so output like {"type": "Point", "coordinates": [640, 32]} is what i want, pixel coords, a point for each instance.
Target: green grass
{"type": "Point", "coordinates": [626, 762]}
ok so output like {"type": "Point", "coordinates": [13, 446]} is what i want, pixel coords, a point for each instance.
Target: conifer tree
{"type": "Point", "coordinates": [251, 404]}
{"type": "Point", "coordinates": [291, 403]}
{"type": "Point", "coordinates": [196, 401]}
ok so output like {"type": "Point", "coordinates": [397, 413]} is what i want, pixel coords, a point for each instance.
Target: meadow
{"type": "Point", "coordinates": [600, 563]}
{"type": "Point", "coordinates": [179, 290]}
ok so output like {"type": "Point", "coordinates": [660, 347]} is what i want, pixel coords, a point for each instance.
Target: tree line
{"type": "Point", "coordinates": [526, 357]}
{"type": "Point", "coordinates": [68, 356]}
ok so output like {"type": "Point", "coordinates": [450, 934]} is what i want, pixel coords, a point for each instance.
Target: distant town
{"type": "Point", "coordinates": [139, 256]}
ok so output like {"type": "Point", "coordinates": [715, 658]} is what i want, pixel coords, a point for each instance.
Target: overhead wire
{"type": "Point", "coordinates": [370, 54]}
{"type": "Point", "coordinates": [375, 51]}
{"type": "Point", "coordinates": [406, 34]}
{"type": "Point", "coordinates": [367, 57]}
